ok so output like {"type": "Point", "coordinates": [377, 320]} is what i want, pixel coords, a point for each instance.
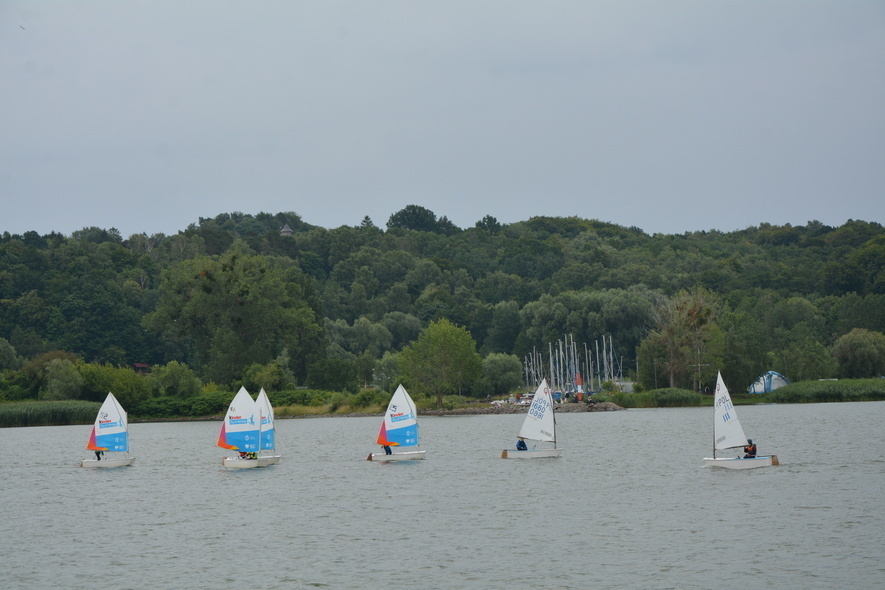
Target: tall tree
{"type": "Point", "coordinates": [861, 353]}
{"type": "Point", "coordinates": [236, 310]}
{"type": "Point", "coordinates": [62, 381]}
{"type": "Point", "coordinates": [414, 217]}
{"type": "Point", "coordinates": [443, 359]}
{"type": "Point", "coordinates": [684, 327]}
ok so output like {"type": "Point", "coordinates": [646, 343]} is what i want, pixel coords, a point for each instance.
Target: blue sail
{"type": "Point", "coordinates": [116, 441]}
{"type": "Point", "coordinates": [244, 440]}
{"type": "Point", "coordinates": [400, 426]}
{"type": "Point", "coordinates": [267, 436]}
{"type": "Point", "coordinates": [404, 437]}
{"type": "Point", "coordinates": [240, 430]}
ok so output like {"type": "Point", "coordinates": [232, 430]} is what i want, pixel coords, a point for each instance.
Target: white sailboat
{"type": "Point", "coordinates": [267, 436]}
{"type": "Point", "coordinates": [539, 426]}
{"type": "Point", "coordinates": [110, 434]}
{"type": "Point", "coordinates": [398, 429]}
{"type": "Point", "coordinates": [241, 432]}
{"type": "Point", "coordinates": [728, 434]}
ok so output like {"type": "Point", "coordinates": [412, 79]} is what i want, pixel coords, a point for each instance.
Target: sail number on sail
{"type": "Point", "coordinates": [539, 407]}
{"type": "Point", "coordinates": [724, 405]}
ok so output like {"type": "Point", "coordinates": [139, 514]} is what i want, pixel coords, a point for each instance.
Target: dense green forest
{"type": "Point", "coordinates": [269, 300]}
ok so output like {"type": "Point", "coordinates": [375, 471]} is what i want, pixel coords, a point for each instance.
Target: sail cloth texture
{"type": "Point", "coordinates": [400, 426]}
{"type": "Point", "coordinates": [265, 411]}
{"type": "Point", "coordinates": [727, 430]}
{"type": "Point", "coordinates": [240, 430]}
{"type": "Point", "coordinates": [540, 423]}
{"type": "Point", "coordinates": [111, 429]}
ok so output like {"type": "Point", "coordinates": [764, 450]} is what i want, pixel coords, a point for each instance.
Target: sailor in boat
{"type": "Point", "coordinates": [98, 455]}
{"type": "Point", "coordinates": [521, 446]}
{"type": "Point", "coordinates": [750, 449]}
{"type": "Point", "coordinates": [387, 450]}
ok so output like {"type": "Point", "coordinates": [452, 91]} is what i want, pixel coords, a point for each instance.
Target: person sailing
{"type": "Point", "coordinates": [521, 446]}
{"type": "Point", "coordinates": [750, 449]}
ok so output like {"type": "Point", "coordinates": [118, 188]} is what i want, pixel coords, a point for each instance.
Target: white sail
{"type": "Point", "coordinates": [111, 429]}
{"type": "Point", "coordinates": [265, 412]}
{"type": "Point", "coordinates": [240, 429]}
{"type": "Point", "coordinates": [400, 426]}
{"type": "Point", "coordinates": [727, 431]}
{"type": "Point", "coordinates": [540, 423]}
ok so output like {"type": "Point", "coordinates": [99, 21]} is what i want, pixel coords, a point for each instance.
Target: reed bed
{"type": "Point", "coordinates": [48, 413]}
{"type": "Point", "coordinates": [842, 390]}
{"type": "Point", "coordinates": [656, 398]}
{"type": "Point", "coordinates": [301, 411]}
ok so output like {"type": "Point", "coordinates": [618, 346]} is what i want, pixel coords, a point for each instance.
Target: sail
{"type": "Point", "coordinates": [400, 426]}
{"type": "Point", "coordinates": [727, 431]}
{"type": "Point", "coordinates": [240, 430]}
{"type": "Point", "coordinates": [265, 411]}
{"type": "Point", "coordinates": [111, 429]}
{"type": "Point", "coordinates": [540, 423]}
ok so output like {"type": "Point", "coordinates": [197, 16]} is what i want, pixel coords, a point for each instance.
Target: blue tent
{"type": "Point", "coordinates": [768, 382]}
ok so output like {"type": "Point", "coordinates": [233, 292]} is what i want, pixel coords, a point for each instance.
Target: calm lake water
{"type": "Point", "coordinates": [629, 505]}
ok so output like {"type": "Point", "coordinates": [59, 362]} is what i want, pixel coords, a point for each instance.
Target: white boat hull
{"type": "Point", "coordinates": [238, 463]}
{"type": "Point", "coordinates": [267, 460]}
{"type": "Point", "coordinates": [531, 454]}
{"type": "Point", "coordinates": [741, 463]}
{"type": "Point", "coordinates": [408, 456]}
{"type": "Point", "coordinates": [109, 462]}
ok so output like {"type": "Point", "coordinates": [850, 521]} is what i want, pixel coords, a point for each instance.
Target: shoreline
{"type": "Point", "coordinates": [567, 408]}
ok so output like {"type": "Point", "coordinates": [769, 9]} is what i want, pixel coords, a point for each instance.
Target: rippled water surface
{"type": "Point", "coordinates": [628, 505]}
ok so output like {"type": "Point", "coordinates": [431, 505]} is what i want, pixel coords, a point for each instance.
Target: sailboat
{"type": "Point", "coordinates": [728, 434]}
{"type": "Point", "coordinates": [267, 437]}
{"type": "Point", "coordinates": [399, 429]}
{"type": "Point", "coordinates": [539, 426]}
{"type": "Point", "coordinates": [110, 434]}
{"type": "Point", "coordinates": [241, 432]}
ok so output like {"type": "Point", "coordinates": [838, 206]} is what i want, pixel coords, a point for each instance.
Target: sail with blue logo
{"type": "Point", "coordinates": [266, 430]}
{"type": "Point", "coordinates": [111, 429]}
{"type": "Point", "coordinates": [240, 430]}
{"type": "Point", "coordinates": [400, 426]}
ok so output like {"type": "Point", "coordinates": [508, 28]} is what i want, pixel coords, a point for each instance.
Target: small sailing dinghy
{"type": "Point", "coordinates": [728, 434]}
{"type": "Point", "coordinates": [267, 437]}
{"type": "Point", "coordinates": [241, 432]}
{"type": "Point", "coordinates": [110, 434]}
{"type": "Point", "coordinates": [399, 429]}
{"type": "Point", "coordinates": [539, 426]}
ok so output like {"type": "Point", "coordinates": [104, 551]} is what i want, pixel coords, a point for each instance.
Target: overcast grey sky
{"type": "Point", "coordinates": [670, 116]}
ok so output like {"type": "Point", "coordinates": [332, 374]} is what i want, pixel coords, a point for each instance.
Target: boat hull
{"type": "Point", "coordinates": [407, 456]}
{"type": "Point", "coordinates": [741, 463]}
{"type": "Point", "coordinates": [531, 454]}
{"type": "Point", "coordinates": [109, 462]}
{"type": "Point", "coordinates": [268, 460]}
{"type": "Point", "coordinates": [238, 463]}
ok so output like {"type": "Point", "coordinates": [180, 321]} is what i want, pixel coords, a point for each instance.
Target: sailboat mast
{"type": "Point", "coordinates": [597, 365]}
{"type": "Point", "coordinates": [552, 413]}
{"type": "Point", "coordinates": [588, 367]}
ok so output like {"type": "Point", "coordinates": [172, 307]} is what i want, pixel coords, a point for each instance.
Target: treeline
{"type": "Point", "coordinates": [271, 301]}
